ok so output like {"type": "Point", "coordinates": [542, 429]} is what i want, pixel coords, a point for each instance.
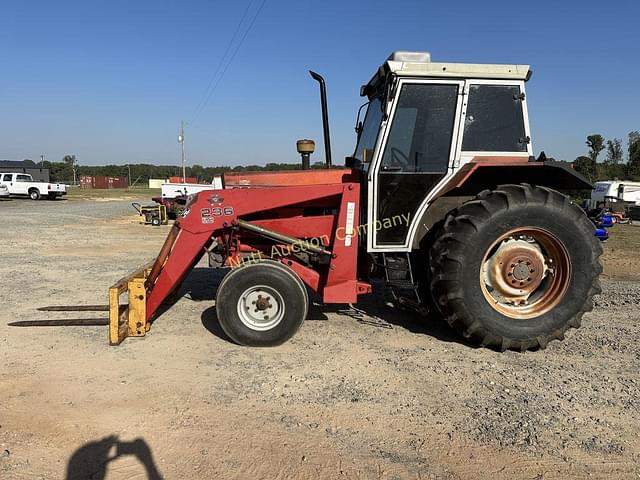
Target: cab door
{"type": "Point", "coordinates": [417, 153]}
{"type": "Point", "coordinates": [21, 184]}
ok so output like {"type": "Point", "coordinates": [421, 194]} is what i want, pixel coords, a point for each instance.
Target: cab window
{"type": "Point", "coordinates": [495, 120]}
{"type": "Point", "coordinates": [420, 136]}
{"type": "Point", "coordinates": [7, 177]}
{"type": "Point", "coordinates": [23, 178]}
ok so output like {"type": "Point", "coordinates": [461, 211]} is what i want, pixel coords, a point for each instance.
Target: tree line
{"type": "Point", "coordinates": [614, 166]}
{"type": "Point", "coordinates": [64, 170]}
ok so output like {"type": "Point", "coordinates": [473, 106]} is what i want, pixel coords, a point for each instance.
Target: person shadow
{"type": "Point", "coordinates": [90, 461]}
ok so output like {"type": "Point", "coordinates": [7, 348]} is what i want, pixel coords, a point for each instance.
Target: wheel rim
{"type": "Point", "coordinates": [525, 273]}
{"type": "Point", "coordinates": [260, 308]}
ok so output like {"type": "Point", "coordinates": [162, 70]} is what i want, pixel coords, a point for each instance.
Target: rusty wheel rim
{"type": "Point", "coordinates": [525, 273]}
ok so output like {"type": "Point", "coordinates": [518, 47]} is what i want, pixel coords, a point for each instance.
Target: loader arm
{"type": "Point", "coordinates": [256, 220]}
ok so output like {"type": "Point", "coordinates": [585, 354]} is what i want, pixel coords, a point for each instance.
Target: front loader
{"type": "Point", "coordinates": [442, 198]}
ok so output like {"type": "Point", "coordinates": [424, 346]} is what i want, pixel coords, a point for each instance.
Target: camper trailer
{"type": "Point", "coordinates": [616, 190]}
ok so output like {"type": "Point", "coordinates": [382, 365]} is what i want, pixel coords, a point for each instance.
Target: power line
{"type": "Point", "coordinates": [222, 59]}
{"type": "Point", "coordinates": [235, 52]}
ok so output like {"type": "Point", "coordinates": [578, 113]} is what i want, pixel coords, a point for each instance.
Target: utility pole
{"type": "Point", "coordinates": [129, 169]}
{"type": "Point", "coordinates": [181, 141]}
{"type": "Point", "coordinates": [41, 159]}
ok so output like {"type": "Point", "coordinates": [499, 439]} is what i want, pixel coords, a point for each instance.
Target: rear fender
{"type": "Point", "coordinates": [476, 176]}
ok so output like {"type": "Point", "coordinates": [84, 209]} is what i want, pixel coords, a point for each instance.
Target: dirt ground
{"type": "Point", "coordinates": [371, 394]}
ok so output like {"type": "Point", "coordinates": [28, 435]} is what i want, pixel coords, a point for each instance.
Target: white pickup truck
{"type": "Point", "coordinates": [23, 184]}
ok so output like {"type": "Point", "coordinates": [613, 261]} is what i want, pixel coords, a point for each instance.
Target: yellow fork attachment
{"type": "Point", "coordinates": [131, 320]}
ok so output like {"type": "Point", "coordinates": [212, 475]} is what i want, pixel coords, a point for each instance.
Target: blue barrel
{"type": "Point", "coordinates": [602, 234]}
{"type": "Point", "coordinates": [606, 221]}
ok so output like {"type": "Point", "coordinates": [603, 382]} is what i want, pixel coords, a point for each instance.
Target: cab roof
{"type": "Point", "coordinates": [419, 64]}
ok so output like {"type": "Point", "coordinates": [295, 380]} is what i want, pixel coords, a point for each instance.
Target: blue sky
{"type": "Point", "coordinates": [110, 81]}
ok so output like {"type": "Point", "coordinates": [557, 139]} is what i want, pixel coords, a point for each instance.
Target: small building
{"type": "Point", "coordinates": [38, 172]}
{"type": "Point", "coordinates": [157, 182]}
{"type": "Point", "coordinates": [102, 181]}
{"type": "Point", "coordinates": [178, 179]}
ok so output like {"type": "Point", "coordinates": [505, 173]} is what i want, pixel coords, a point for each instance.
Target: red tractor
{"type": "Point", "coordinates": [441, 198]}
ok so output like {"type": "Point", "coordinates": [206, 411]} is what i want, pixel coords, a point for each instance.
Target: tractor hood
{"type": "Point", "coordinates": [290, 178]}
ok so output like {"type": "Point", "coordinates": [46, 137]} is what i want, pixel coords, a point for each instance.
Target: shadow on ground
{"type": "Point", "coordinates": [371, 311]}
{"type": "Point", "coordinates": [91, 460]}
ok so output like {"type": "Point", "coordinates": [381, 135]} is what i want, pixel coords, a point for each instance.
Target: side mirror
{"type": "Point", "coordinates": [351, 162]}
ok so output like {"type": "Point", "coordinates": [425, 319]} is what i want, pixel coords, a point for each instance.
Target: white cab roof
{"type": "Point", "coordinates": [419, 64]}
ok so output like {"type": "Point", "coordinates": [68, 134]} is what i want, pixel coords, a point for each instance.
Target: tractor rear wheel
{"type": "Point", "coordinates": [516, 267]}
{"type": "Point", "coordinates": [261, 304]}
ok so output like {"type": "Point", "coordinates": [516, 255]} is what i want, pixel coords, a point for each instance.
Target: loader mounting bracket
{"type": "Point", "coordinates": [132, 320]}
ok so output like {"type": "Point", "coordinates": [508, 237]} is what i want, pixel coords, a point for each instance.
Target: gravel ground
{"type": "Point", "coordinates": [367, 393]}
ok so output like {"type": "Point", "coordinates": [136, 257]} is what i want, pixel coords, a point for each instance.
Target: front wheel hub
{"type": "Point", "coordinates": [260, 308]}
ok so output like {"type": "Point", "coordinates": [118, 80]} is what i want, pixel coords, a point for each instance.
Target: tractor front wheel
{"type": "Point", "coordinates": [516, 267]}
{"type": "Point", "coordinates": [261, 304]}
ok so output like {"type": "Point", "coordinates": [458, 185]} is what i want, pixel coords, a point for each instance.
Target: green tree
{"type": "Point", "coordinates": [595, 143]}
{"type": "Point", "coordinates": [198, 171]}
{"type": "Point", "coordinates": [633, 165]}
{"type": "Point", "coordinates": [586, 166]}
{"type": "Point", "coordinates": [72, 163]}
{"type": "Point", "coordinates": [634, 142]}
{"type": "Point", "coordinates": [613, 167]}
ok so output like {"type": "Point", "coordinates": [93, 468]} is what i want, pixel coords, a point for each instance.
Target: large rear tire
{"type": "Point", "coordinates": [34, 194]}
{"type": "Point", "coordinates": [261, 304]}
{"type": "Point", "coordinates": [516, 267]}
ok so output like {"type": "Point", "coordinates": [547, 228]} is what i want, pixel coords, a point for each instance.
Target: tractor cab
{"type": "Point", "coordinates": [423, 121]}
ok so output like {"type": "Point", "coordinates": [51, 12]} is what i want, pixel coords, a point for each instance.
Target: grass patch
{"type": "Point", "coordinates": [74, 193]}
{"type": "Point", "coordinates": [624, 239]}
{"type": "Point", "coordinates": [621, 257]}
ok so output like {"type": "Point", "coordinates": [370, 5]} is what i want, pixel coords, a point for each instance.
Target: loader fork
{"type": "Point", "coordinates": [128, 316]}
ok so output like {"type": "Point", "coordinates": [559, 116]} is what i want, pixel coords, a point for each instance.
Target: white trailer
{"type": "Point", "coordinates": [173, 190]}
{"type": "Point", "coordinates": [616, 190]}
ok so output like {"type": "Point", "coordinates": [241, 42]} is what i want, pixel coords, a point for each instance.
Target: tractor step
{"type": "Point", "coordinates": [413, 305]}
{"type": "Point", "coordinates": [401, 284]}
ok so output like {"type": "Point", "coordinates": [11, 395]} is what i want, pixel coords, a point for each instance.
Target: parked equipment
{"type": "Point", "coordinates": [155, 215]}
{"type": "Point", "coordinates": [442, 198]}
{"type": "Point", "coordinates": [174, 195]}
{"type": "Point", "coordinates": [602, 220]}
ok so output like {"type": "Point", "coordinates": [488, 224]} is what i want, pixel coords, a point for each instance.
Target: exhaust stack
{"type": "Point", "coordinates": [325, 116]}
